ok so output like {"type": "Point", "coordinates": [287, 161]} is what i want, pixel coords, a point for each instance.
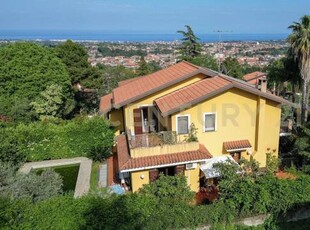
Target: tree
{"type": "Point", "coordinates": [302, 144]}
{"type": "Point", "coordinates": [112, 75]}
{"type": "Point", "coordinates": [75, 57]}
{"type": "Point", "coordinates": [206, 61]}
{"type": "Point", "coordinates": [153, 66]}
{"type": "Point", "coordinates": [52, 103]}
{"type": "Point", "coordinates": [143, 69]}
{"type": "Point", "coordinates": [25, 71]}
{"type": "Point", "coordinates": [190, 46]}
{"type": "Point", "coordinates": [284, 70]}
{"type": "Point", "coordinates": [231, 67]}
{"type": "Point", "coordinates": [300, 44]}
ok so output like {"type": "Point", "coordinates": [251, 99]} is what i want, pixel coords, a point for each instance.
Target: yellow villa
{"type": "Point", "coordinates": [184, 118]}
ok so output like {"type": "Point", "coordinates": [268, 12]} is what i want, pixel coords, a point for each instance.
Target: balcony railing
{"type": "Point", "coordinates": [153, 139]}
{"type": "Point", "coordinates": [152, 144]}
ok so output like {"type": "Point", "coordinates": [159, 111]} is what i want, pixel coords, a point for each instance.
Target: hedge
{"type": "Point", "coordinates": [38, 141]}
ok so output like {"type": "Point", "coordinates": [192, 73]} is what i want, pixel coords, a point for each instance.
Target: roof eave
{"type": "Point", "coordinates": [163, 165]}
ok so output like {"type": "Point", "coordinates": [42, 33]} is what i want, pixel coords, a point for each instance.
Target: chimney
{"type": "Point", "coordinates": [262, 84]}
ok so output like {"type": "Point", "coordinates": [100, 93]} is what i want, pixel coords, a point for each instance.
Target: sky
{"type": "Point", "coordinates": [152, 16]}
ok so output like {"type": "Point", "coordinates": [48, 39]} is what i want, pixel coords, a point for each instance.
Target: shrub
{"type": "Point", "coordinates": [31, 186]}
{"type": "Point", "coordinates": [64, 139]}
{"type": "Point", "coordinates": [169, 187]}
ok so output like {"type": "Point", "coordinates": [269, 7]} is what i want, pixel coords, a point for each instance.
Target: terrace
{"type": "Point", "coordinates": [165, 142]}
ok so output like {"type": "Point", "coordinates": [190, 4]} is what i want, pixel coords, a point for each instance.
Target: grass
{"type": "Point", "coordinates": [94, 177]}
{"type": "Point", "coordinates": [69, 174]}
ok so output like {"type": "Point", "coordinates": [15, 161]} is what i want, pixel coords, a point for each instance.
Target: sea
{"type": "Point", "coordinates": [133, 37]}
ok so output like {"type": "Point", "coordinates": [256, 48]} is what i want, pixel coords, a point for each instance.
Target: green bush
{"type": "Point", "coordinates": [169, 187]}
{"type": "Point", "coordinates": [31, 186]}
{"type": "Point", "coordinates": [159, 207]}
{"type": "Point", "coordinates": [64, 139]}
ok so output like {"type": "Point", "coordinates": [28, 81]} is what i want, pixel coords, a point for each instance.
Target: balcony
{"type": "Point", "coordinates": [166, 142]}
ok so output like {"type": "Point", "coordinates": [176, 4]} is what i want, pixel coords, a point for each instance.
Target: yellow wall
{"type": "Point", "coordinates": [137, 182]}
{"type": "Point", "coordinates": [193, 178]}
{"type": "Point", "coordinates": [237, 116]}
{"type": "Point", "coordinates": [116, 119]}
{"type": "Point", "coordinates": [128, 109]}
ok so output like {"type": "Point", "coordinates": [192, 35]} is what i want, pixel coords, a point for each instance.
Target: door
{"type": "Point", "coordinates": [236, 156]}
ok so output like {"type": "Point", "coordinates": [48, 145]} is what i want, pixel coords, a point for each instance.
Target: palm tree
{"type": "Point", "coordinates": [190, 46]}
{"type": "Point", "coordinates": [300, 44]}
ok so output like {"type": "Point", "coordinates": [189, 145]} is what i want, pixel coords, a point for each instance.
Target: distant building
{"type": "Point", "coordinates": [255, 78]}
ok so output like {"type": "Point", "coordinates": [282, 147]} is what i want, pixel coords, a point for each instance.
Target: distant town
{"type": "Point", "coordinates": [165, 54]}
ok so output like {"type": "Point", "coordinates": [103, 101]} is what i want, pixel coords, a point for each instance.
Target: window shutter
{"type": "Point", "coordinates": [137, 118]}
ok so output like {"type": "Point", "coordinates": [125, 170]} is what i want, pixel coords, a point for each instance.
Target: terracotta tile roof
{"type": "Point", "coordinates": [126, 163]}
{"type": "Point", "coordinates": [122, 150]}
{"type": "Point", "coordinates": [124, 82]}
{"type": "Point", "coordinates": [187, 96]}
{"type": "Point", "coordinates": [237, 145]}
{"type": "Point", "coordinates": [105, 103]}
{"type": "Point", "coordinates": [251, 89]}
{"type": "Point", "coordinates": [146, 85]}
{"type": "Point", "coordinates": [254, 75]}
{"type": "Point", "coordinates": [204, 89]}
{"type": "Point", "coordinates": [134, 89]}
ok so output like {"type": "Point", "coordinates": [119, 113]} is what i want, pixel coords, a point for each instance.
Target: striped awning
{"type": "Point", "coordinates": [209, 171]}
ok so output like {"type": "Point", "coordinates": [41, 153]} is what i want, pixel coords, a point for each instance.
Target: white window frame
{"type": "Point", "coordinates": [176, 123]}
{"type": "Point", "coordinates": [204, 122]}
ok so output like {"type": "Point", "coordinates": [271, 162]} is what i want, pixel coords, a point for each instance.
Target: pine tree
{"type": "Point", "coordinates": [190, 47]}
{"type": "Point", "coordinates": [143, 67]}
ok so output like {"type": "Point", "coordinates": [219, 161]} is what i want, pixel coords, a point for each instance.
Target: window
{"type": "Point", "coordinates": [209, 122]}
{"type": "Point", "coordinates": [182, 124]}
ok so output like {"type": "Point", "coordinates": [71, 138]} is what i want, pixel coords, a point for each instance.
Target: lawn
{"type": "Point", "coordinates": [94, 175]}
{"type": "Point", "coordinates": [69, 174]}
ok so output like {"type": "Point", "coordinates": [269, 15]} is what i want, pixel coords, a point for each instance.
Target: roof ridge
{"type": "Point", "coordinates": [143, 76]}
{"type": "Point", "coordinates": [226, 77]}
{"type": "Point", "coordinates": [232, 79]}
{"type": "Point", "coordinates": [189, 85]}
{"type": "Point", "coordinates": [254, 77]}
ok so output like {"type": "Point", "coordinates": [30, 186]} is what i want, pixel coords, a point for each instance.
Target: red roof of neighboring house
{"type": "Point", "coordinates": [126, 163]}
{"type": "Point", "coordinates": [252, 76]}
{"type": "Point", "coordinates": [105, 103]}
{"type": "Point", "coordinates": [146, 85]}
{"type": "Point", "coordinates": [237, 145]}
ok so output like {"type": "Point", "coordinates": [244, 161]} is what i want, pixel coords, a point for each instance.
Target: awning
{"type": "Point", "coordinates": [211, 172]}
{"type": "Point", "coordinates": [239, 145]}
